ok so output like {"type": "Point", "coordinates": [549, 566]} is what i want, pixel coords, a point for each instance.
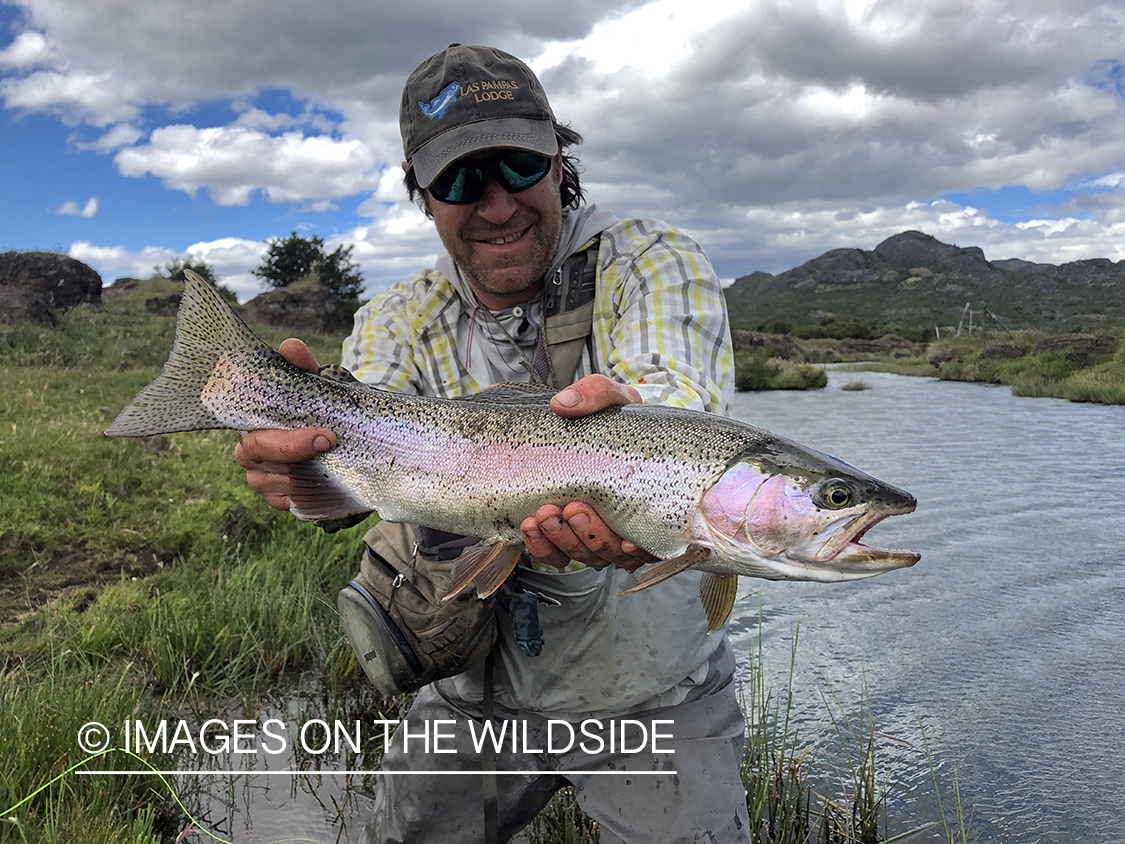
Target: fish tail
{"type": "Point", "coordinates": [207, 329]}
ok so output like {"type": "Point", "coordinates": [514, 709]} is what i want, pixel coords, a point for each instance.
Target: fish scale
{"type": "Point", "coordinates": [694, 489]}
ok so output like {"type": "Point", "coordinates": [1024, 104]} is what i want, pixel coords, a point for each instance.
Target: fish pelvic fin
{"type": "Point", "coordinates": [206, 330]}
{"type": "Point", "coordinates": [316, 494]}
{"type": "Point", "coordinates": [659, 572]}
{"type": "Point", "coordinates": [717, 592]}
{"type": "Point", "coordinates": [487, 563]}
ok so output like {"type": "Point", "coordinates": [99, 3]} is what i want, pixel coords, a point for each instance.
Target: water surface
{"type": "Point", "coordinates": [1007, 640]}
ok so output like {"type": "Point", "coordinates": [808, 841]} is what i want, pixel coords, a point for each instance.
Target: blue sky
{"type": "Point", "coordinates": [770, 131]}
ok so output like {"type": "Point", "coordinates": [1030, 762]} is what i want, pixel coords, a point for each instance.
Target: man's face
{"type": "Point", "coordinates": [504, 242]}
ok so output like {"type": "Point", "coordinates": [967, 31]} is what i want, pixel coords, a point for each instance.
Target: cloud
{"type": "Point", "coordinates": [115, 261]}
{"type": "Point", "coordinates": [232, 163]}
{"type": "Point", "coordinates": [74, 97]}
{"type": "Point", "coordinates": [174, 54]}
{"type": "Point", "coordinates": [28, 49]}
{"type": "Point", "coordinates": [770, 130]}
{"type": "Point", "coordinates": [121, 135]}
{"type": "Point", "coordinates": [87, 210]}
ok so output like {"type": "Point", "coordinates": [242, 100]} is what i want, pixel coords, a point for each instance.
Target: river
{"type": "Point", "coordinates": [1006, 642]}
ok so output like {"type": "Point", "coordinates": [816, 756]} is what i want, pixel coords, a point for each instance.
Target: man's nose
{"type": "Point", "coordinates": [496, 205]}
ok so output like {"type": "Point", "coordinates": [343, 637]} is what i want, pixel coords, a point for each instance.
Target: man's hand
{"type": "Point", "coordinates": [266, 455]}
{"type": "Point", "coordinates": [557, 535]}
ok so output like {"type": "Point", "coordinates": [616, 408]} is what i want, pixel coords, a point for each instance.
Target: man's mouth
{"type": "Point", "coordinates": [500, 241]}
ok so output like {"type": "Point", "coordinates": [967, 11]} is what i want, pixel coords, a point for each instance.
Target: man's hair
{"type": "Point", "coordinates": [570, 191]}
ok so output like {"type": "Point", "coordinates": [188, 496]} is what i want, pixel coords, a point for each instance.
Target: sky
{"type": "Point", "coordinates": [137, 131]}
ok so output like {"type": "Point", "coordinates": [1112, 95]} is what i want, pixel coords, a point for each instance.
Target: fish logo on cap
{"type": "Point", "coordinates": [437, 106]}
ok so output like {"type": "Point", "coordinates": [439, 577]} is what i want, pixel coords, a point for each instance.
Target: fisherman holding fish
{"type": "Point", "coordinates": [538, 287]}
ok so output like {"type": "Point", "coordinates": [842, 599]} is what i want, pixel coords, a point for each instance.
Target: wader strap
{"type": "Point", "coordinates": [488, 760]}
{"type": "Point", "coordinates": [568, 316]}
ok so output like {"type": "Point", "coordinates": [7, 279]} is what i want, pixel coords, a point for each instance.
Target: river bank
{"type": "Point", "coordinates": [1076, 367]}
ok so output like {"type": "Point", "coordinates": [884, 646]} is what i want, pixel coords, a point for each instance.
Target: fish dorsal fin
{"type": "Point", "coordinates": [514, 395]}
{"type": "Point", "coordinates": [659, 572]}
{"type": "Point", "coordinates": [717, 592]}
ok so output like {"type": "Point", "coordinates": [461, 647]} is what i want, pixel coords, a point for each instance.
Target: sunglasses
{"type": "Point", "coordinates": [461, 184]}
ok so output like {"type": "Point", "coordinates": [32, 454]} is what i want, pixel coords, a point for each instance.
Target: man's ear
{"type": "Point", "coordinates": [405, 167]}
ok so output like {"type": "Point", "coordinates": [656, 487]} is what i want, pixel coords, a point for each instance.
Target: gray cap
{"type": "Point", "coordinates": [465, 99]}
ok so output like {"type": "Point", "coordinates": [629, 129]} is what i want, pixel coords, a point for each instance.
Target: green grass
{"type": "Point", "coordinates": [151, 583]}
{"type": "Point", "coordinates": [757, 370]}
{"type": "Point", "coordinates": [1065, 373]}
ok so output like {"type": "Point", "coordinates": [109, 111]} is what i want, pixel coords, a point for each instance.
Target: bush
{"type": "Point", "coordinates": [174, 270]}
{"type": "Point", "coordinates": [291, 259]}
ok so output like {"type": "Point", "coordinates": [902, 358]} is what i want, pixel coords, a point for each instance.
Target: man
{"type": "Point", "coordinates": [486, 160]}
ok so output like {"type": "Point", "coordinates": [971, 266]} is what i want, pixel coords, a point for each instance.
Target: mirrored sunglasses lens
{"type": "Point", "coordinates": [458, 185]}
{"type": "Point", "coordinates": [521, 170]}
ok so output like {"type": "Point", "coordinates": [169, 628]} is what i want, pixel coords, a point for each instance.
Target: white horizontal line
{"type": "Point", "coordinates": [376, 773]}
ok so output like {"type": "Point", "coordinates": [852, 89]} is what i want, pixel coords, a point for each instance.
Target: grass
{"type": "Point", "coordinates": [855, 385]}
{"type": "Point", "coordinates": [757, 370]}
{"type": "Point", "coordinates": [1069, 372]}
{"type": "Point", "coordinates": [148, 582]}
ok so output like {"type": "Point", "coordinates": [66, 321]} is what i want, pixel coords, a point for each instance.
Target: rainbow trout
{"type": "Point", "coordinates": [694, 489]}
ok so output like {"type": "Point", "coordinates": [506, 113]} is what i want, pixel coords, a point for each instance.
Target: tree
{"type": "Point", "coordinates": [174, 270]}
{"type": "Point", "coordinates": [291, 259]}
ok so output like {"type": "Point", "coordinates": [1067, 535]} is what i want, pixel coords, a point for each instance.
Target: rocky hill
{"type": "Point", "coordinates": [913, 280]}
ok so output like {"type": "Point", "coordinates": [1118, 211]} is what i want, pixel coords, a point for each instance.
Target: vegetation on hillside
{"type": "Point", "coordinates": [913, 281]}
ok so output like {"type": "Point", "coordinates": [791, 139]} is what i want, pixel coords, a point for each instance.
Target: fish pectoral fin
{"type": "Point", "coordinates": [717, 592]}
{"type": "Point", "coordinates": [487, 563]}
{"type": "Point", "coordinates": [315, 494]}
{"type": "Point", "coordinates": [659, 572]}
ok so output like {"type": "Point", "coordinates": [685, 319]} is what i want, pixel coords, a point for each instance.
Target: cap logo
{"type": "Point", "coordinates": [437, 106]}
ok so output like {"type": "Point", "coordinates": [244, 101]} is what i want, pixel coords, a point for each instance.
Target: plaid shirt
{"type": "Point", "coordinates": [660, 324]}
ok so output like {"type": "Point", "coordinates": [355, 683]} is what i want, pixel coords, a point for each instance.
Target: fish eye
{"type": "Point", "coordinates": [835, 494]}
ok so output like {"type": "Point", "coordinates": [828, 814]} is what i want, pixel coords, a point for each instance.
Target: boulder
{"type": "Point", "coordinates": [316, 310]}
{"type": "Point", "coordinates": [36, 285]}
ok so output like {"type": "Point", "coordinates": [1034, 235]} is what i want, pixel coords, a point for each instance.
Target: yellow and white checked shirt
{"type": "Point", "coordinates": [660, 324]}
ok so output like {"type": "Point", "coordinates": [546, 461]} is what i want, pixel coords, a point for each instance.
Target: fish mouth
{"type": "Point", "coordinates": [845, 552]}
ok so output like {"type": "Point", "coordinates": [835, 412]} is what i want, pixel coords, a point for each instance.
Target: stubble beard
{"type": "Point", "coordinates": [495, 280]}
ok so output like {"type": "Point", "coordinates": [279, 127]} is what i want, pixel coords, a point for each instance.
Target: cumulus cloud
{"type": "Point", "coordinates": [121, 135]}
{"type": "Point", "coordinates": [116, 261]}
{"type": "Point", "coordinates": [769, 130]}
{"type": "Point", "coordinates": [72, 209]}
{"type": "Point", "coordinates": [28, 49]}
{"type": "Point", "coordinates": [232, 162]}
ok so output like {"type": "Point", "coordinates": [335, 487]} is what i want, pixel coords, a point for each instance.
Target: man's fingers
{"type": "Point", "coordinates": [275, 446]}
{"type": "Point", "coordinates": [591, 394]}
{"type": "Point", "coordinates": [539, 546]}
{"type": "Point", "coordinates": [298, 354]}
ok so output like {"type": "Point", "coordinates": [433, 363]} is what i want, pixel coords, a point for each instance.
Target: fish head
{"type": "Point", "coordinates": [796, 514]}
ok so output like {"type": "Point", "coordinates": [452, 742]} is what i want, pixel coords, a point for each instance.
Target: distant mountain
{"type": "Point", "coordinates": [914, 280]}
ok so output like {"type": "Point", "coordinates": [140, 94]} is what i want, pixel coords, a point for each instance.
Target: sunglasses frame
{"type": "Point", "coordinates": [490, 169]}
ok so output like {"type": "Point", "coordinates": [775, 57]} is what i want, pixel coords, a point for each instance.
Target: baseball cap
{"type": "Point", "coordinates": [466, 99]}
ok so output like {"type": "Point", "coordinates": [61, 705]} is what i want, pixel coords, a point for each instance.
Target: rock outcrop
{"type": "Point", "coordinates": [301, 308]}
{"type": "Point", "coordinates": [36, 285]}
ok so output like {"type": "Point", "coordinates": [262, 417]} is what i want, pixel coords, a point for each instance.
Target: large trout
{"type": "Point", "coordinates": [694, 489]}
